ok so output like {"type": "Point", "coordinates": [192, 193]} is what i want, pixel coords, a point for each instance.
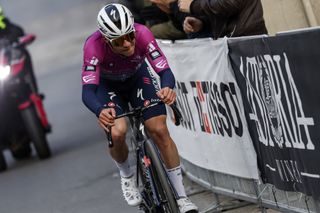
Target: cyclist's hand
{"type": "Point", "coordinates": [167, 95]}
{"type": "Point", "coordinates": [106, 118]}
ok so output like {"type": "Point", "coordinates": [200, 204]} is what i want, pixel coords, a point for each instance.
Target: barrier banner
{"type": "Point", "coordinates": [214, 133]}
{"type": "Point", "coordinates": [279, 81]}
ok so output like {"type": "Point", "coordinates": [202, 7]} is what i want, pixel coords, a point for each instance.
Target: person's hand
{"type": "Point", "coordinates": [184, 5]}
{"type": "Point", "coordinates": [163, 2]}
{"type": "Point", "coordinates": [164, 8]}
{"type": "Point", "coordinates": [192, 25]}
{"type": "Point", "coordinates": [106, 118]}
{"type": "Point", "coordinates": [164, 5]}
{"type": "Point", "coordinates": [167, 95]}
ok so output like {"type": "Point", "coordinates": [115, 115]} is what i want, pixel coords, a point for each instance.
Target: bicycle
{"type": "Point", "coordinates": [157, 192]}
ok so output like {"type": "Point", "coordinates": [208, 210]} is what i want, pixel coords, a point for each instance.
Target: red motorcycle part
{"type": "Point", "coordinates": [17, 66]}
{"type": "Point", "coordinates": [37, 102]}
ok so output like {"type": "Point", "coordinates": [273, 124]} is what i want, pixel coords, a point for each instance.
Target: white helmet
{"type": "Point", "coordinates": [115, 20]}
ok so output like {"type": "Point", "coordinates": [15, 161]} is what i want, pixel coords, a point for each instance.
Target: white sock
{"type": "Point", "coordinates": [124, 168]}
{"type": "Point", "coordinates": [175, 177]}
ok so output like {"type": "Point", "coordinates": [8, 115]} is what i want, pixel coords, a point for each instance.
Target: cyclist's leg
{"type": "Point", "coordinates": [157, 128]}
{"type": "Point", "coordinates": [112, 99]}
{"type": "Point", "coordinates": [155, 122]}
{"type": "Point", "coordinates": [155, 117]}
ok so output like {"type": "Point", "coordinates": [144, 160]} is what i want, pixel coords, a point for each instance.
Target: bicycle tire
{"type": "Point", "coordinates": [160, 179]}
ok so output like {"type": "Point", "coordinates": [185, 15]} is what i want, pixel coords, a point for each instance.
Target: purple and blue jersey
{"type": "Point", "coordinates": [101, 62]}
{"type": "Point", "coordinates": [110, 79]}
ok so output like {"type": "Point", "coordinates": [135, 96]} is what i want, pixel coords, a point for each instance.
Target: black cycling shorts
{"type": "Point", "coordinates": [139, 90]}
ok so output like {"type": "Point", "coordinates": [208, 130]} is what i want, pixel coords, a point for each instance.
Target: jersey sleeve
{"type": "Point", "coordinates": [153, 53]}
{"type": "Point", "coordinates": [91, 76]}
{"type": "Point", "coordinates": [91, 64]}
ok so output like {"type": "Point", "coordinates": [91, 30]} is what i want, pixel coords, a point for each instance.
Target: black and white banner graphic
{"type": "Point", "coordinates": [279, 81]}
{"type": "Point", "coordinates": [214, 134]}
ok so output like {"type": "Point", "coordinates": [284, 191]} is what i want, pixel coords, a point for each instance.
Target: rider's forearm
{"type": "Point", "coordinates": [90, 99]}
{"type": "Point", "coordinates": [167, 78]}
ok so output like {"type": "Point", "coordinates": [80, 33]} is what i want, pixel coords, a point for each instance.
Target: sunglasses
{"type": "Point", "coordinates": [117, 42]}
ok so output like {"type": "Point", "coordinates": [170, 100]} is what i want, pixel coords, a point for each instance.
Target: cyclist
{"type": "Point", "coordinates": [115, 73]}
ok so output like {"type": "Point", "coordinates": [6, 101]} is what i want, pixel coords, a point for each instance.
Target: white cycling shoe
{"type": "Point", "coordinates": [186, 206]}
{"type": "Point", "coordinates": [130, 191]}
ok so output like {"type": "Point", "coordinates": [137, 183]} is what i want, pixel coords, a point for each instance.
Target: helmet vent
{"type": "Point", "coordinates": [126, 20]}
{"type": "Point", "coordinates": [106, 25]}
{"type": "Point", "coordinates": [115, 20]}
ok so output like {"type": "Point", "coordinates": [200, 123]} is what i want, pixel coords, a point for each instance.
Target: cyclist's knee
{"type": "Point", "coordinates": [118, 136]}
{"type": "Point", "coordinates": [119, 132]}
{"type": "Point", "coordinates": [159, 131]}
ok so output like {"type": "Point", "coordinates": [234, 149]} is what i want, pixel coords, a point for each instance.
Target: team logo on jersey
{"type": "Point", "coordinates": [90, 68]}
{"type": "Point", "coordinates": [111, 104]}
{"type": "Point", "coordinates": [146, 80]}
{"type": "Point", "coordinates": [94, 61]}
{"type": "Point", "coordinates": [89, 78]}
{"type": "Point", "coordinates": [112, 95]}
{"type": "Point", "coordinates": [161, 64]}
{"type": "Point", "coordinates": [154, 55]}
{"type": "Point", "coordinates": [139, 94]}
{"type": "Point", "coordinates": [146, 103]}
{"type": "Point", "coordinates": [155, 100]}
{"type": "Point", "coordinates": [151, 47]}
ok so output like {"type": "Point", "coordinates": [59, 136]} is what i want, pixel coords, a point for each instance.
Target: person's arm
{"type": "Point", "coordinates": [152, 51]}
{"type": "Point", "coordinates": [177, 16]}
{"type": "Point", "coordinates": [221, 8]}
{"type": "Point", "coordinates": [167, 78]}
{"type": "Point", "coordinates": [90, 78]}
{"type": "Point", "coordinates": [90, 99]}
{"type": "Point", "coordinates": [160, 65]}
{"type": "Point", "coordinates": [166, 93]}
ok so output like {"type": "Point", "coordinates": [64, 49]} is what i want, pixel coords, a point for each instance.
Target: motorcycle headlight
{"type": "Point", "coordinates": [4, 72]}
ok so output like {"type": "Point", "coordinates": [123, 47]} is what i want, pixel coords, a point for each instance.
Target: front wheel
{"type": "Point", "coordinates": [36, 132]}
{"type": "Point", "coordinates": [162, 187]}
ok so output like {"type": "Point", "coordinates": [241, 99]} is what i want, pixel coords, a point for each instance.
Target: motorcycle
{"type": "Point", "coordinates": [22, 116]}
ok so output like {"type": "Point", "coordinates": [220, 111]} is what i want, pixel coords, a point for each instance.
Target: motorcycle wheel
{"type": "Point", "coordinates": [21, 151]}
{"type": "Point", "coordinates": [36, 132]}
{"type": "Point", "coordinates": [3, 163]}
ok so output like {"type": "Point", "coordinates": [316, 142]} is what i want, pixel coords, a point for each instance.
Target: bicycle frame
{"type": "Point", "coordinates": [143, 172]}
{"type": "Point", "coordinates": [141, 143]}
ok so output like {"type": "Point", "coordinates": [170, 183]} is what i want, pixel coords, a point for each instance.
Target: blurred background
{"type": "Point", "coordinates": [286, 15]}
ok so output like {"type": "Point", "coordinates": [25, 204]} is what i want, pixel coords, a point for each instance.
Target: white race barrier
{"type": "Point", "coordinates": [213, 141]}
{"type": "Point", "coordinates": [214, 134]}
